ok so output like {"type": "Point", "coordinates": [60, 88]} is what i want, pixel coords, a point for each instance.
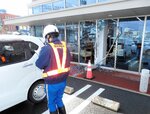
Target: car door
{"type": "Point", "coordinates": [16, 73]}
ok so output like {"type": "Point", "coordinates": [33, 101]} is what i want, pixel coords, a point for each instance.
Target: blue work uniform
{"type": "Point", "coordinates": [55, 84]}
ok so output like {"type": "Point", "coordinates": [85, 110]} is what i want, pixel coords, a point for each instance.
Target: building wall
{"type": "Point", "coordinates": [95, 21]}
{"type": "Point", "coordinates": [6, 28]}
{"type": "Point", "coordinates": [118, 55]}
{"type": "Point", "coordinates": [130, 51]}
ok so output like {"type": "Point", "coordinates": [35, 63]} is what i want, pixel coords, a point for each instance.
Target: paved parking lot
{"type": "Point", "coordinates": [80, 101]}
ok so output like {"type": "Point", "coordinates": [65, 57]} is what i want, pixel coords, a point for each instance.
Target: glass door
{"type": "Point", "coordinates": [72, 40]}
{"type": "Point", "coordinates": [106, 35]}
{"type": "Point", "coordinates": [87, 41]}
{"type": "Point", "coordinates": [129, 43]}
{"type": "Point", "coordinates": [61, 29]}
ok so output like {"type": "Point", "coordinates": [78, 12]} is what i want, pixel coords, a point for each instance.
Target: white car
{"type": "Point", "coordinates": [20, 79]}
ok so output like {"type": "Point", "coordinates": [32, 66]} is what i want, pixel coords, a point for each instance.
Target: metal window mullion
{"type": "Point", "coordinates": [142, 46]}
{"type": "Point", "coordinates": [79, 3]}
{"type": "Point", "coordinates": [79, 41]}
{"type": "Point", "coordinates": [65, 39]}
{"type": "Point", "coordinates": [116, 46]}
{"type": "Point", "coordinates": [64, 4]}
{"type": "Point", "coordinates": [95, 50]}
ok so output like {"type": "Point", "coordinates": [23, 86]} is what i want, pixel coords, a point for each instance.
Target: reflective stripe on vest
{"type": "Point", "coordinates": [60, 68]}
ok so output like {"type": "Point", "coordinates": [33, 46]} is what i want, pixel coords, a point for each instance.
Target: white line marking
{"type": "Point", "coordinates": [46, 112]}
{"type": "Point", "coordinates": [86, 102]}
{"type": "Point", "coordinates": [67, 98]}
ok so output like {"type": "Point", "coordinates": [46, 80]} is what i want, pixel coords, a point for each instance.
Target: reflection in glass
{"type": "Point", "coordinates": [129, 43]}
{"type": "Point", "coordinates": [71, 3]}
{"type": "Point", "coordinates": [47, 7]}
{"type": "Point", "coordinates": [86, 2]}
{"type": "Point", "coordinates": [74, 57]}
{"type": "Point", "coordinates": [72, 36]}
{"type": "Point", "coordinates": [61, 32]}
{"type": "Point", "coordinates": [38, 31]}
{"type": "Point", "coordinates": [106, 33]}
{"type": "Point", "coordinates": [146, 48]}
{"type": "Point", "coordinates": [37, 9]}
{"type": "Point", "coordinates": [58, 5]}
{"type": "Point", "coordinates": [104, 0]}
{"type": "Point", "coordinates": [87, 40]}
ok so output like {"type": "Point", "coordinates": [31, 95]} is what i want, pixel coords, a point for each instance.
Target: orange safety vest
{"type": "Point", "coordinates": [60, 67]}
{"type": "Point", "coordinates": [3, 59]}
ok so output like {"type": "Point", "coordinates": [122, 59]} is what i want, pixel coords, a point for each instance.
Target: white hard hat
{"type": "Point", "coordinates": [50, 29]}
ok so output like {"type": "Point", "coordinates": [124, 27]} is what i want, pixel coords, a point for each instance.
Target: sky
{"type": "Point", "coordinates": [16, 7]}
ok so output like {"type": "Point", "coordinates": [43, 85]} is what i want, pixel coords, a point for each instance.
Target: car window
{"type": "Point", "coordinates": [12, 52]}
{"type": "Point", "coordinates": [32, 47]}
{"type": "Point", "coordinates": [16, 51]}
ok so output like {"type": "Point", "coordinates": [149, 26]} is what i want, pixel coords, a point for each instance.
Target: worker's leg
{"type": "Point", "coordinates": [59, 101]}
{"type": "Point", "coordinates": [51, 97]}
{"type": "Point", "coordinates": [62, 110]}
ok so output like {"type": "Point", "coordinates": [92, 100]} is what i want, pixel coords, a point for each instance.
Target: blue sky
{"type": "Point", "coordinates": [17, 7]}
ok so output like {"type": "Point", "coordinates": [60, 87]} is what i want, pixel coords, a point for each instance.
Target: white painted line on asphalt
{"type": "Point", "coordinates": [67, 98]}
{"type": "Point", "coordinates": [86, 102]}
{"type": "Point", "coordinates": [46, 112]}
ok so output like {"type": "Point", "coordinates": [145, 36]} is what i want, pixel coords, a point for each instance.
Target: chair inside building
{"type": "Point", "coordinates": [87, 52]}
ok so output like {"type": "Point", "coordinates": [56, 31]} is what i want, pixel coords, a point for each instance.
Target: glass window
{"type": "Point", "coordinates": [146, 48]}
{"type": "Point", "coordinates": [58, 5]}
{"type": "Point", "coordinates": [38, 31]}
{"type": "Point", "coordinates": [71, 3]}
{"type": "Point", "coordinates": [86, 2]}
{"type": "Point", "coordinates": [13, 52]}
{"type": "Point", "coordinates": [31, 47]}
{"type": "Point", "coordinates": [104, 0]}
{"type": "Point", "coordinates": [61, 32]}
{"type": "Point", "coordinates": [37, 9]}
{"type": "Point", "coordinates": [74, 57]}
{"type": "Point", "coordinates": [87, 40]}
{"type": "Point", "coordinates": [72, 36]}
{"type": "Point", "coordinates": [129, 43]}
{"type": "Point", "coordinates": [106, 35]}
{"type": "Point", "coordinates": [47, 7]}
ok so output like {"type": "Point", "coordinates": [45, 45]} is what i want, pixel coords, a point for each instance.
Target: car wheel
{"type": "Point", "coordinates": [36, 93]}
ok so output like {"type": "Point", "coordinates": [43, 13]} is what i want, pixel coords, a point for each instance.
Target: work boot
{"type": "Point", "coordinates": [62, 110]}
{"type": "Point", "coordinates": [56, 112]}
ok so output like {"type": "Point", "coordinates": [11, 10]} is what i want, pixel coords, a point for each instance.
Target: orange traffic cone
{"type": "Point", "coordinates": [89, 74]}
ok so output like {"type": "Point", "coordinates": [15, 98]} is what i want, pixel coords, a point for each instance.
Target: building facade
{"type": "Point", "coordinates": [112, 33]}
{"type": "Point", "coordinates": [6, 28]}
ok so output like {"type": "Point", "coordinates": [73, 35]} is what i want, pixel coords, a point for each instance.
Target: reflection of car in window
{"type": "Point", "coordinates": [20, 79]}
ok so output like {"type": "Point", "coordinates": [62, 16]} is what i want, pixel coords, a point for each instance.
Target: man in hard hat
{"type": "Point", "coordinates": [54, 58]}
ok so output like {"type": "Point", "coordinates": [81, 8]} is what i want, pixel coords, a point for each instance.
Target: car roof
{"type": "Point", "coordinates": [15, 37]}
{"type": "Point", "coordinates": [7, 38]}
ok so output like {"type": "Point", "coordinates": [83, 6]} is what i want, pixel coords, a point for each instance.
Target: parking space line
{"type": "Point", "coordinates": [46, 112]}
{"type": "Point", "coordinates": [86, 102]}
{"type": "Point", "coordinates": [67, 97]}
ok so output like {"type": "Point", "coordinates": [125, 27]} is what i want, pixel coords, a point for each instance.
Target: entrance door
{"type": "Point", "coordinates": [106, 35]}
{"type": "Point", "coordinates": [87, 41]}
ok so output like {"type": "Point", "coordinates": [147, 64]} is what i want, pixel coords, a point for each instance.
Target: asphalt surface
{"type": "Point", "coordinates": [80, 101]}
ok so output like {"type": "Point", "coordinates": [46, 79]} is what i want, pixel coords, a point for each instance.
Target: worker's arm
{"type": "Point", "coordinates": [44, 58]}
